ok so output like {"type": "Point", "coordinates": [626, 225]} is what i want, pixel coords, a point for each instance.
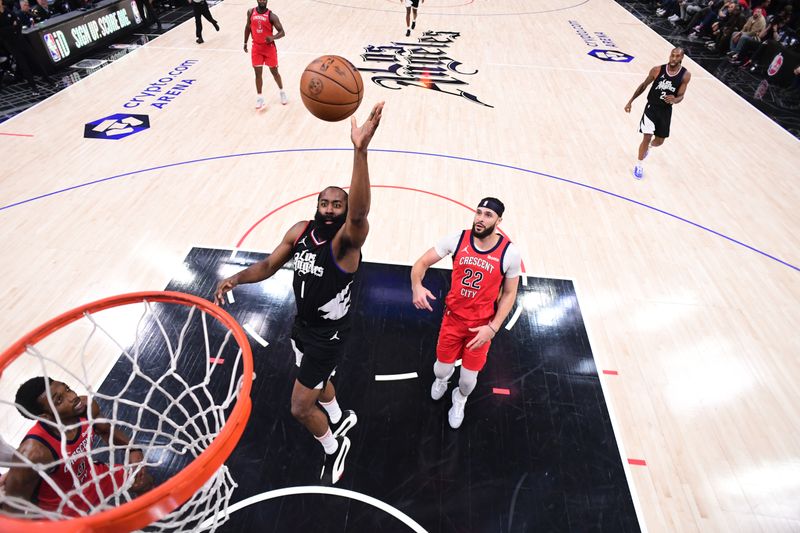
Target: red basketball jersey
{"type": "Point", "coordinates": [45, 496]}
{"type": "Point", "coordinates": [260, 27]}
{"type": "Point", "coordinates": [477, 278]}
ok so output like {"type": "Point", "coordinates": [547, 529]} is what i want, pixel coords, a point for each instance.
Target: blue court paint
{"type": "Point", "coordinates": [412, 153]}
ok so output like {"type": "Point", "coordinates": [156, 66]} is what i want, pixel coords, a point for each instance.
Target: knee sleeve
{"type": "Point", "coordinates": [442, 370]}
{"type": "Point", "coordinates": [467, 381]}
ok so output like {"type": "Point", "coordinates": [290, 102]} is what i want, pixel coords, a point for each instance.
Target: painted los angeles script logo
{"type": "Point", "coordinates": [425, 64]}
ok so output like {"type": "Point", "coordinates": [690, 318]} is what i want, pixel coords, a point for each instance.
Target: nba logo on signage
{"type": "Point", "coordinates": [57, 45]}
{"type": "Point", "coordinates": [117, 126]}
{"type": "Point", "coordinates": [776, 65]}
{"type": "Point", "coordinates": [136, 16]}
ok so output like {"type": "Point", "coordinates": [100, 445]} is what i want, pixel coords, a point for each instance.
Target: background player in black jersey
{"type": "Point", "coordinates": [411, 9]}
{"type": "Point", "coordinates": [669, 83]}
{"type": "Point", "coordinates": [326, 253]}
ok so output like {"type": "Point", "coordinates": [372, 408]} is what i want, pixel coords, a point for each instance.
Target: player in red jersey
{"type": "Point", "coordinates": [260, 23]}
{"type": "Point", "coordinates": [62, 413]}
{"type": "Point", "coordinates": [484, 262]}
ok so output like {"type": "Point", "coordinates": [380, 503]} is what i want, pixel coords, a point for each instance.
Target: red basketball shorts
{"type": "Point", "coordinates": [264, 54]}
{"type": "Point", "coordinates": [454, 335]}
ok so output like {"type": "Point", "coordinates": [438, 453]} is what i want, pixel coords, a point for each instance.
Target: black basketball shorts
{"type": "Point", "coordinates": [656, 120]}
{"type": "Point", "coordinates": [318, 350]}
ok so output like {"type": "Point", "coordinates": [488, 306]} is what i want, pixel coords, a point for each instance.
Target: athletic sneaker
{"type": "Point", "coordinates": [345, 424]}
{"type": "Point", "coordinates": [439, 386]}
{"type": "Point", "coordinates": [333, 467]}
{"type": "Point", "coordinates": [200, 40]}
{"type": "Point", "coordinates": [216, 25]}
{"type": "Point", "coordinates": [259, 102]}
{"type": "Point", "coordinates": [638, 172]}
{"type": "Point", "coordinates": [413, 24]}
{"type": "Point", "coordinates": [456, 413]}
{"type": "Point", "coordinates": [408, 33]}
{"type": "Point", "coordinates": [284, 100]}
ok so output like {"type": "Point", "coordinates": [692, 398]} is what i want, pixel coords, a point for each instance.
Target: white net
{"type": "Point", "coordinates": [168, 391]}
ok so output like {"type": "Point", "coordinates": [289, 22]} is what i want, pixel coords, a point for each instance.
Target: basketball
{"type": "Point", "coordinates": [331, 88]}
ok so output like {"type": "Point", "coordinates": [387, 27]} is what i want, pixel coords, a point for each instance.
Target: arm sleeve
{"type": "Point", "coordinates": [447, 245]}
{"type": "Point", "coordinates": [512, 262]}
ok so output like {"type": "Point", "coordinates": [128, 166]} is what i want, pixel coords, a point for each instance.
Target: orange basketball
{"type": "Point", "coordinates": [331, 88]}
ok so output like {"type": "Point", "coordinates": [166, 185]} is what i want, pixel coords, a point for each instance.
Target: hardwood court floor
{"type": "Point", "coordinates": [687, 280]}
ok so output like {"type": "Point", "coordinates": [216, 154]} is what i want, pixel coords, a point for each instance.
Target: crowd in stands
{"type": "Point", "coordinates": [760, 35]}
{"type": "Point", "coordinates": [17, 61]}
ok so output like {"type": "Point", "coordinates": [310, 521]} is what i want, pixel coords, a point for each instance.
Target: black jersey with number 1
{"type": "Point", "coordinates": [322, 289]}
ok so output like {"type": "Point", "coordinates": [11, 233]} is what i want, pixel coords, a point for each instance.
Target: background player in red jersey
{"type": "Point", "coordinates": [484, 261]}
{"type": "Point", "coordinates": [60, 406]}
{"type": "Point", "coordinates": [260, 23]}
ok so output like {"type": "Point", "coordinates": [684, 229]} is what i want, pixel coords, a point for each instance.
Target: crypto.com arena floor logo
{"type": "Point", "coordinates": [424, 64]}
{"type": "Point", "coordinates": [595, 39]}
{"type": "Point", "coordinates": [117, 126]}
{"type": "Point", "coordinates": [611, 55]}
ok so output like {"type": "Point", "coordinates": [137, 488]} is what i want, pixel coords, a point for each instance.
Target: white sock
{"type": "Point", "coordinates": [328, 442]}
{"type": "Point", "coordinates": [333, 409]}
{"type": "Point", "coordinates": [457, 396]}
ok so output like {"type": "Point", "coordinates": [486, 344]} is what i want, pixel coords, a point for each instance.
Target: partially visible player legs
{"type": "Point", "coordinates": [200, 9]}
{"type": "Point", "coordinates": [466, 384]}
{"type": "Point", "coordinates": [198, 23]}
{"type": "Point", "coordinates": [644, 148]}
{"type": "Point", "coordinates": [408, 21]}
{"type": "Point", "coordinates": [341, 421]}
{"type": "Point", "coordinates": [305, 410]}
{"type": "Point", "coordinates": [207, 14]}
{"type": "Point", "coordinates": [277, 76]}
{"type": "Point", "coordinates": [443, 372]}
{"type": "Point", "coordinates": [414, 21]}
{"type": "Point", "coordinates": [259, 84]}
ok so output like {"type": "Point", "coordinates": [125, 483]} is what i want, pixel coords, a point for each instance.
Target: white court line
{"type": "Point", "coordinates": [228, 50]}
{"type": "Point", "coordinates": [253, 333]}
{"type": "Point", "coordinates": [333, 491]}
{"type": "Point", "coordinates": [233, 254]}
{"type": "Point", "coordinates": [230, 297]}
{"type": "Point", "coordinates": [615, 424]}
{"type": "Point", "coordinates": [395, 377]}
{"type": "Point", "coordinates": [524, 280]}
{"type": "Point", "coordinates": [585, 70]}
{"type": "Point", "coordinates": [515, 317]}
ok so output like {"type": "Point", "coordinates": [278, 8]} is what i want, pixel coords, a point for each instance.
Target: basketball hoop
{"type": "Point", "coordinates": [205, 438]}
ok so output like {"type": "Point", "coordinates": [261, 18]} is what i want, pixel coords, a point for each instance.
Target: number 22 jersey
{"type": "Point", "coordinates": [477, 274]}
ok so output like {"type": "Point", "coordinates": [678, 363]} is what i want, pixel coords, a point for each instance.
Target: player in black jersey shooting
{"type": "Point", "coordinates": [669, 83]}
{"type": "Point", "coordinates": [326, 253]}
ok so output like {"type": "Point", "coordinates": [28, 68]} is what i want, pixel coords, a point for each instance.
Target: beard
{"type": "Point", "coordinates": [482, 234]}
{"type": "Point", "coordinates": [327, 231]}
